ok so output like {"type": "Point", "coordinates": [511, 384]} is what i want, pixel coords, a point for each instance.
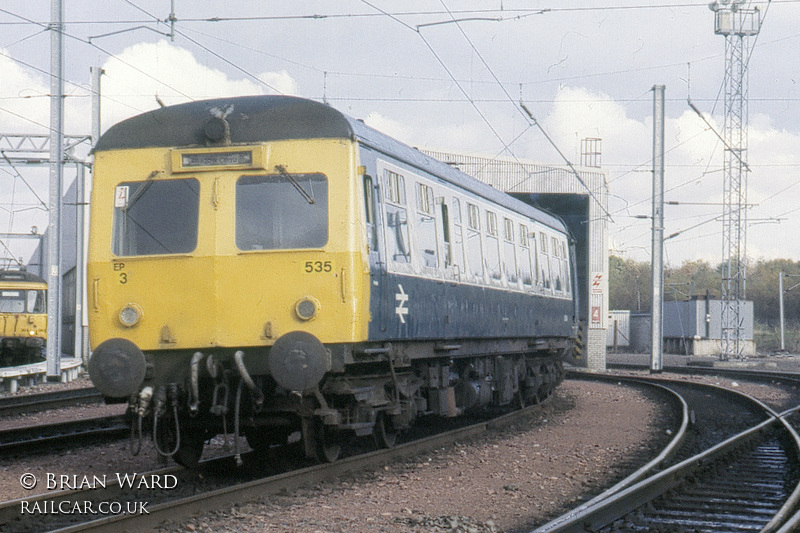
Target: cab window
{"type": "Point", "coordinates": [156, 217]}
{"type": "Point", "coordinates": [22, 301]}
{"type": "Point", "coordinates": [281, 211]}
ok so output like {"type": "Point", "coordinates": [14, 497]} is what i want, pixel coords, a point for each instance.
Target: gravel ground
{"type": "Point", "coordinates": [578, 443]}
{"type": "Point", "coordinates": [505, 482]}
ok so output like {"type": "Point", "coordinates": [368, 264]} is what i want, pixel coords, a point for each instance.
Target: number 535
{"type": "Point", "coordinates": [318, 266]}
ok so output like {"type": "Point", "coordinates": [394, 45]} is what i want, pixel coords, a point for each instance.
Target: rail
{"type": "Point", "coordinates": [28, 439]}
{"type": "Point", "coordinates": [667, 453]}
{"type": "Point", "coordinates": [168, 505]}
{"type": "Point", "coordinates": [32, 403]}
{"type": "Point", "coordinates": [636, 501]}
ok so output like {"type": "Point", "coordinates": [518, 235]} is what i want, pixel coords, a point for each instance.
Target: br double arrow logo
{"type": "Point", "coordinates": [402, 298]}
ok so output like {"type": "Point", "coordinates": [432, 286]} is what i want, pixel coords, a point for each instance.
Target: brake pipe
{"type": "Point", "coordinates": [238, 358]}
{"type": "Point", "coordinates": [194, 404]}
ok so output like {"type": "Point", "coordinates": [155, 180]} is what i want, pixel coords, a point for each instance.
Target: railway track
{"type": "Point", "coordinates": [696, 432]}
{"type": "Point", "coordinates": [702, 370]}
{"type": "Point", "coordinates": [748, 481]}
{"type": "Point", "coordinates": [256, 479]}
{"type": "Point", "coordinates": [45, 437]}
{"type": "Point", "coordinates": [33, 403]}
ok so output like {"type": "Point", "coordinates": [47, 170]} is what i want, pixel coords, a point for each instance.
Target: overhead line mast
{"type": "Point", "coordinates": [53, 276]}
{"type": "Point", "coordinates": [736, 24]}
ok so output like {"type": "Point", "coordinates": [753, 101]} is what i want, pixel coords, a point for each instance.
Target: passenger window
{"type": "Point", "coordinates": [555, 265]}
{"type": "Point", "coordinates": [509, 253]}
{"type": "Point", "coordinates": [458, 236]}
{"type": "Point", "coordinates": [526, 268]}
{"type": "Point", "coordinates": [544, 261]}
{"type": "Point", "coordinates": [474, 247]}
{"type": "Point", "coordinates": [425, 232]}
{"type": "Point", "coordinates": [448, 245]}
{"type": "Point", "coordinates": [395, 188]}
{"type": "Point", "coordinates": [535, 260]}
{"type": "Point", "coordinates": [492, 246]}
{"type": "Point", "coordinates": [397, 242]}
{"type": "Point", "coordinates": [565, 268]}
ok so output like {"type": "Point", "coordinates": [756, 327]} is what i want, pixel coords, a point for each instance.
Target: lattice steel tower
{"type": "Point", "coordinates": [737, 24]}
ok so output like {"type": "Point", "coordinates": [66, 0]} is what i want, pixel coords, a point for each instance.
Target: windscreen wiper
{"type": "Point", "coordinates": [282, 171]}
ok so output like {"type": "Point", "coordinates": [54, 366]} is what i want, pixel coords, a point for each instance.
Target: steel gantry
{"type": "Point", "coordinates": [20, 150]}
{"type": "Point", "coordinates": [736, 24]}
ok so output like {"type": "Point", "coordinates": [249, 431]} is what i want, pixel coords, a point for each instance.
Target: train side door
{"type": "Point", "coordinates": [449, 209]}
{"type": "Point", "coordinates": [377, 264]}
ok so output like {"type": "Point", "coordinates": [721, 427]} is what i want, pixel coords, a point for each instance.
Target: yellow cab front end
{"type": "Point", "coordinates": [215, 254]}
{"type": "Point", "coordinates": [23, 318]}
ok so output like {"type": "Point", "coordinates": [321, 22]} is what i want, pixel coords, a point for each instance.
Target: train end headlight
{"type": "Point", "coordinates": [307, 308]}
{"type": "Point", "coordinates": [130, 315]}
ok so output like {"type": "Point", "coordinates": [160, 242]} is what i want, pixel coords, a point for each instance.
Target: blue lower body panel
{"type": "Point", "coordinates": [415, 308]}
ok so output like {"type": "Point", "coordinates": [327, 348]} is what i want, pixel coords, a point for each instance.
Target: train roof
{"type": "Point", "coordinates": [265, 118]}
{"type": "Point", "coordinates": [252, 119]}
{"type": "Point", "coordinates": [20, 275]}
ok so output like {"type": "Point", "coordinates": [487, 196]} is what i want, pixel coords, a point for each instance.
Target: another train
{"type": "Point", "coordinates": [23, 318]}
{"type": "Point", "coordinates": [267, 265]}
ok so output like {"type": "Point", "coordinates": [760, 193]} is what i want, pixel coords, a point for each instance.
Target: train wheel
{"type": "Point", "coordinates": [384, 432]}
{"type": "Point", "coordinates": [189, 451]}
{"type": "Point", "coordinates": [547, 383]}
{"type": "Point", "coordinates": [328, 445]}
{"type": "Point", "coordinates": [519, 398]}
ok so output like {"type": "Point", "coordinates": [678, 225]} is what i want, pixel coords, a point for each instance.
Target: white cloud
{"type": "Point", "coordinates": [140, 73]}
{"type": "Point", "coordinates": [26, 105]}
{"type": "Point", "coordinates": [130, 84]}
{"type": "Point", "coordinates": [280, 82]}
{"type": "Point", "coordinates": [579, 113]}
{"type": "Point", "coordinates": [693, 176]}
{"type": "Point", "coordinates": [393, 128]}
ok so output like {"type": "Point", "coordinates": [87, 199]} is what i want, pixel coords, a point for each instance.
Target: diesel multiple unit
{"type": "Point", "coordinates": [267, 265]}
{"type": "Point", "coordinates": [23, 318]}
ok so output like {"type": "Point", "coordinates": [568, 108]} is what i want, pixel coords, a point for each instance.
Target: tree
{"type": "Point", "coordinates": [630, 287]}
{"type": "Point", "coordinates": [690, 279]}
{"type": "Point", "coordinates": [762, 289]}
{"type": "Point", "coordinates": [628, 284]}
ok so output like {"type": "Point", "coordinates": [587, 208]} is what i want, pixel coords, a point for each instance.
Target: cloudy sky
{"type": "Point", "coordinates": [447, 75]}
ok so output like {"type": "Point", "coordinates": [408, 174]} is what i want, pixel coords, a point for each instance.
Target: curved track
{"type": "Point", "coordinates": [747, 482]}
